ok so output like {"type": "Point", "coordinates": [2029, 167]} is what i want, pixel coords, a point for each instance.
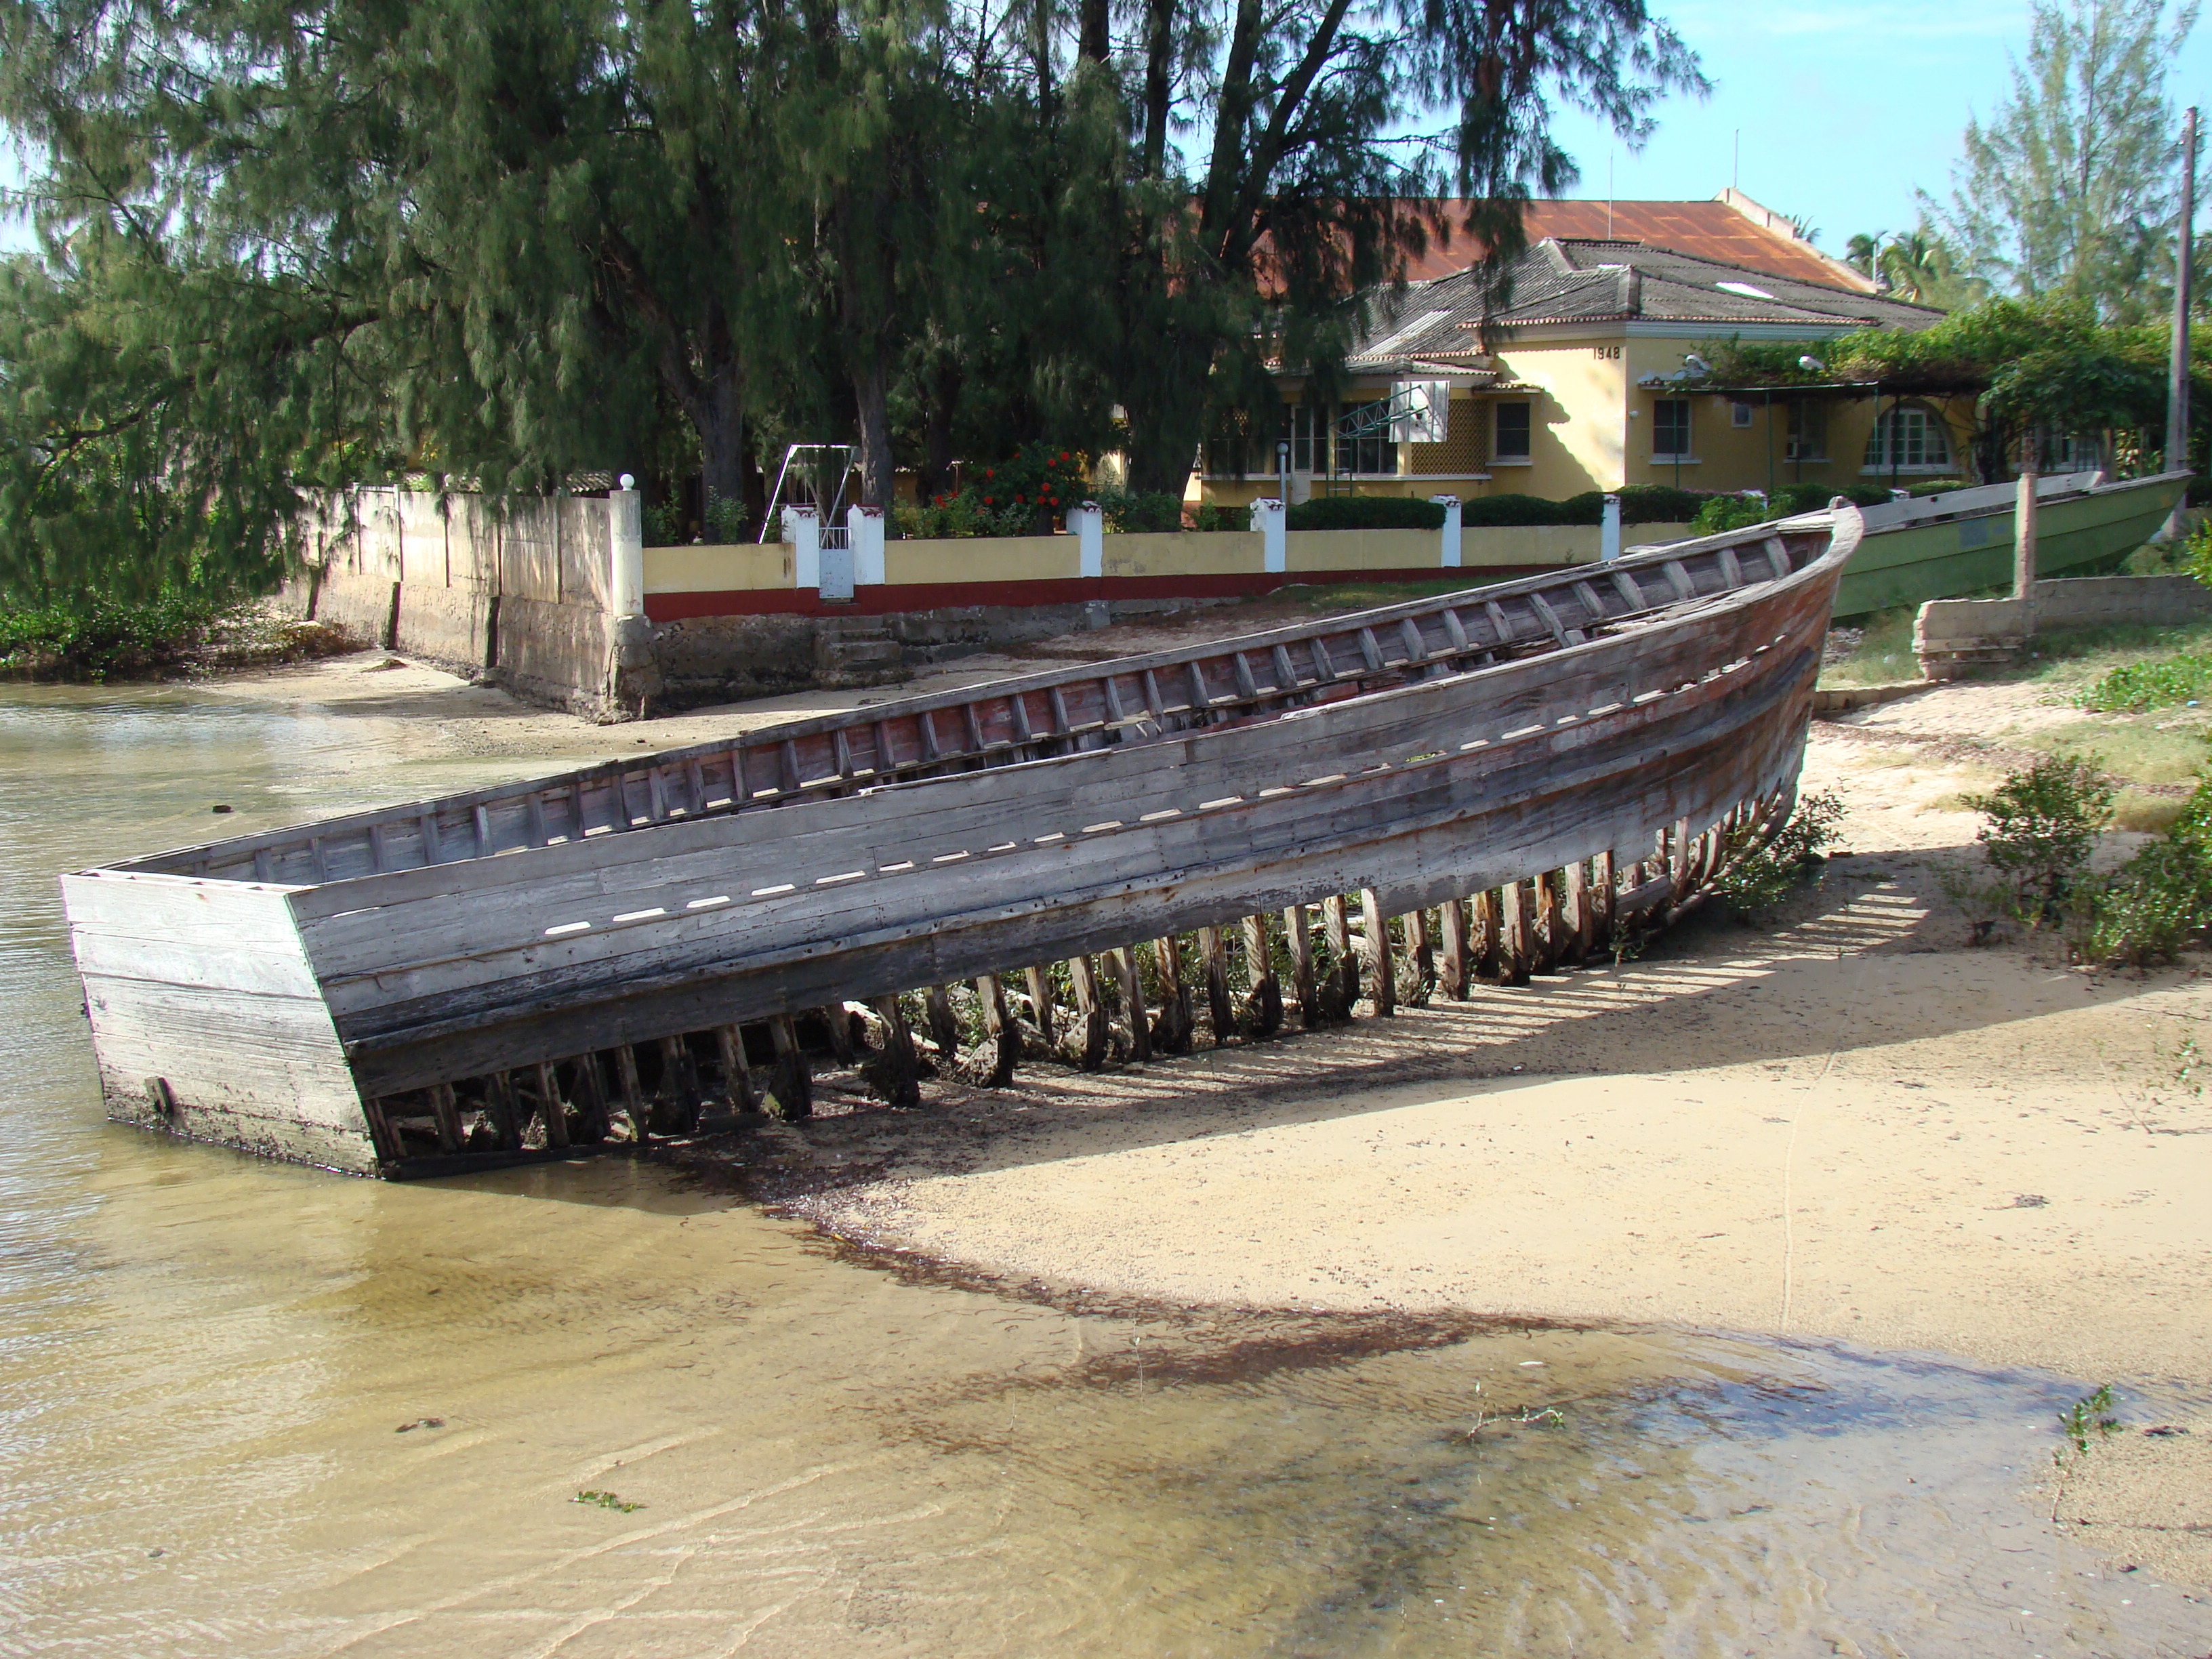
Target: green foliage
{"type": "Point", "coordinates": [2069, 188]}
{"type": "Point", "coordinates": [2148, 910]}
{"type": "Point", "coordinates": [2042, 826]}
{"type": "Point", "coordinates": [606, 1500]}
{"type": "Point", "coordinates": [1021, 495]}
{"type": "Point", "coordinates": [1724, 512]}
{"type": "Point", "coordinates": [1141, 512]}
{"type": "Point", "coordinates": [1366, 513]}
{"type": "Point", "coordinates": [101, 634]}
{"type": "Point", "coordinates": [1209, 519]}
{"type": "Point", "coordinates": [324, 242]}
{"type": "Point", "coordinates": [664, 523]}
{"type": "Point", "coordinates": [1639, 504]}
{"type": "Point", "coordinates": [2136, 686]}
{"type": "Point", "coordinates": [1760, 880]}
{"type": "Point", "coordinates": [728, 521]}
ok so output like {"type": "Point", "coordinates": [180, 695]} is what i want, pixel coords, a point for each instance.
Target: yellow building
{"type": "Point", "coordinates": [1581, 373]}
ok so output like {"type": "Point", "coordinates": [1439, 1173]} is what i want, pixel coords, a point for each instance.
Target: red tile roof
{"type": "Point", "coordinates": [1708, 230]}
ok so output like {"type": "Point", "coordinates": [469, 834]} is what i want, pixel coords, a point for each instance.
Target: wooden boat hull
{"type": "Point", "coordinates": [331, 1022]}
{"type": "Point", "coordinates": [2077, 530]}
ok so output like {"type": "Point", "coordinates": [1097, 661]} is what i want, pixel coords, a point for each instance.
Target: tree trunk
{"type": "Point", "coordinates": [1093, 43]}
{"type": "Point", "coordinates": [870, 395]}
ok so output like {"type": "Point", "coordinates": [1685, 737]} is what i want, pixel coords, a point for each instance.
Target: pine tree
{"type": "Point", "coordinates": [2069, 189]}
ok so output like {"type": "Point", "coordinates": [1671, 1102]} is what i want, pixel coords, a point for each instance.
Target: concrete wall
{"type": "Point", "coordinates": [517, 591]}
{"type": "Point", "coordinates": [1952, 634]}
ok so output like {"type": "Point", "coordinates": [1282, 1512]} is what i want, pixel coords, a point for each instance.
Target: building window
{"type": "Point", "coordinates": [1739, 415]}
{"type": "Point", "coordinates": [1308, 450]}
{"type": "Point", "coordinates": [1908, 440]}
{"type": "Point", "coordinates": [1510, 440]}
{"type": "Point", "coordinates": [1670, 428]}
{"type": "Point", "coordinates": [1808, 431]}
{"type": "Point", "coordinates": [2069, 452]}
{"type": "Point", "coordinates": [1362, 438]}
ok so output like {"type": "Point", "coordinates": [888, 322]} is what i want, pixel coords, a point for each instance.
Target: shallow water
{"type": "Point", "coordinates": [205, 1364]}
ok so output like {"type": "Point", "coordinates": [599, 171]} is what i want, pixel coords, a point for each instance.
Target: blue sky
{"type": "Point", "coordinates": [1843, 107]}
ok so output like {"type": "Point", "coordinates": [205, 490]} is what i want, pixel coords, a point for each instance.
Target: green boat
{"type": "Point", "coordinates": [1946, 546]}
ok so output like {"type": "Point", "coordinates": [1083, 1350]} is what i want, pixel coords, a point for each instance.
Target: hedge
{"type": "Point", "coordinates": [1366, 513]}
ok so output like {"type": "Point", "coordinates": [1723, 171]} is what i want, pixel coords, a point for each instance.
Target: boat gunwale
{"type": "Point", "coordinates": [1845, 525]}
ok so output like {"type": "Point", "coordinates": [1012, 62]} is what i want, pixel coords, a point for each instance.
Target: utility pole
{"type": "Point", "coordinates": [2177, 390]}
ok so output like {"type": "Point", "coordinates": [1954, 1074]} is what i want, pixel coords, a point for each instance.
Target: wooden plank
{"type": "Point", "coordinates": [550, 1110]}
{"type": "Point", "coordinates": [1214, 958]}
{"type": "Point", "coordinates": [1090, 1013]}
{"type": "Point", "coordinates": [737, 1087]}
{"type": "Point", "coordinates": [499, 1104]}
{"type": "Point", "coordinates": [1343, 967]}
{"type": "Point", "coordinates": [1516, 951]}
{"type": "Point", "coordinates": [1122, 962]}
{"type": "Point", "coordinates": [447, 1113]}
{"type": "Point", "coordinates": [1263, 1000]}
{"type": "Point", "coordinates": [1171, 1032]}
{"type": "Point", "coordinates": [1581, 913]}
{"type": "Point", "coordinates": [1002, 1037]}
{"type": "Point", "coordinates": [944, 1028]}
{"type": "Point", "coordinates": [895, 1072]}
{"type": "Point", "coordinates": [790, 1087]}
{"type": "Point", "coordinates": [1458, 961]}
{"type": "Point", "coordinates": [1300, 942]}
{"type": "Point", "coordinates": [1423, 952]}
{"type": "Point", "coordinates": [1488, 908]}
{"type": "Point", "coordinates": [1382, 967]}
{"type": "Point", "coordinates": [632, 1094]}
{"type": "Point", "coordinates": [1040, 984]}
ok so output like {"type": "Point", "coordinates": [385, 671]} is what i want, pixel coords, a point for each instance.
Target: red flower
{"type": "Point", "coordinates": [1063, 455]}
{"type": "Point", "coordinates": [988, 473]}
{"type": "Point", "coordinates": [987, 501]}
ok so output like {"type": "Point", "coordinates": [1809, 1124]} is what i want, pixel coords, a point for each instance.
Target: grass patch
{"type": "Point", "coordinates": [1883, 655]}
{"type": "Point", "coordinates": [2145, 813]}
{"type": "Point", "coordinates": [2154, 683]}
{"type": "Point", "coordinates": [2137, 750]}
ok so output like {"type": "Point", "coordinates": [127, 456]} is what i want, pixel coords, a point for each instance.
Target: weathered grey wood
{"type": "Point", "coordinates": [1214, 958]}
{"type": "Point", "coordinates": [1171, 1031]}
{"type": "Point", "coordinates": [1550, 934]}
{"type": "Point", "coordinates": [893, 1071]}
{"type": "Point", "coordinates": [551, 1112]}
{"type": "Point", "coordinates": [1299, 940]}
{"type": "Point", "coordinates": [791, 1086]}
{"type": "Point", "coordinates": [1423, 953]}
{"type": "Point", "coordinates": [1040, 984]}
{"type": "Point", "coordinates": [838, 1023]}
{"type": "Point", "coordinates": [1605, 887]}
{"type": "Point", "coordinates": [448, 1117]}
{"type": "Point", "coordinates": [679, 1084]}
{"type": "Point", "coordinates": [499, 1104]}
{"type": "Point", "coordinates": [1002, 1036]}
{"type": "Point", "coordinates": [1382, 964]}
{"type": "Point", "coordinates": [1458, 960]}
{"type": "Point", "coordinates": [1516, 952]}
{"type": "Point", "coordinates": [1263, 1000]}
{"type": "Point", "coordinates": [592, 1096]}
{"type": "Point", "coordinates": [737, 1071]}
{"type": "Point", "coordinates": [1090, 1030]}
{"type": "Point", "coordinates": [634, 1104]}
{"type": "Point", "coordinates": [944, 1028]}
{"type": "Point", "coordinates": [495, 810]}
{"type": "Point", "coordinates": [1581, 923]}
{"type": "Point", "coordinates": [1122, 960]}
{"type": "Point", "coordinates": [1343, 986]}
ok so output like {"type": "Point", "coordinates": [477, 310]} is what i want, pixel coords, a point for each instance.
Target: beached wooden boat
{"type": "Point", "coordinates": [1490, 779]}
{"type": "Point", "coordinates": [1960, 542]}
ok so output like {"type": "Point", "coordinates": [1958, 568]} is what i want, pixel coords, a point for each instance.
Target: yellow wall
{"type": "Point", "coordinates": [1218, 553]}
{"type": "Point", "coordinates": [983, 559]}
{"type": "Point", "coordinates": [723, 567]}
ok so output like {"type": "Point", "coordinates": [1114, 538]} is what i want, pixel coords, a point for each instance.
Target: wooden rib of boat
{"type": "Point", "coordinates": [1960, 542]}
{"type": "Point", "coordinates": [1093, 859]}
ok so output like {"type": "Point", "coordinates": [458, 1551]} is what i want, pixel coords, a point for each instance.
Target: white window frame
{"type": "Point", "coordinates": [1877, 462]}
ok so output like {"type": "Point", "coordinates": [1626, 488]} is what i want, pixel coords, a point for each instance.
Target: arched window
{"type": "Point", "coordinates": [1910, 438]}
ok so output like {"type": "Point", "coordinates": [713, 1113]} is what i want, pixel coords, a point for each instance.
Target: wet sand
{"type": "Point", "coordinates": [1848, 1126]}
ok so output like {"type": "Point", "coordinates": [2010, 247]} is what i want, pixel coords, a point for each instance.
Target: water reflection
{"type": "Point", "coordinates": [205, 1364]}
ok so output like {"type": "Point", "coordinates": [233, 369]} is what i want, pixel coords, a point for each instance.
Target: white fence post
{"type": "Point", "coordinates": [626, 550]}
{"type": "Point", "coordinates": [1268, 518]}
{"type": "Point", "coordinates": [802, 528]}
{"type": "Point", "coordinates": [1608, 535]}
{"type": "Point", "coordinates": [1088, 521]}
{"type": "Point", "coordinates": [1449, 558]}
{"type": "Point", "coordinates": [864, 525]}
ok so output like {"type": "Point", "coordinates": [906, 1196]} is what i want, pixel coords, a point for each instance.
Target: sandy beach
{"type": "Point", "coordinates": [1845, 1125]}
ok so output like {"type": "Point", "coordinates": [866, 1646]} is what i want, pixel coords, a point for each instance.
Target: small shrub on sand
{"type": "Point", "coordinates": [1760, 882]}
{"type": "Point", "coordinates": [2042, 826]}
{"type": "Point", "coordinates": [2161, 682]}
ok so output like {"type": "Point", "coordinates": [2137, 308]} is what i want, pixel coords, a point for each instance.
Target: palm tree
{"type": "Point", "coordinates": [1863, 250]}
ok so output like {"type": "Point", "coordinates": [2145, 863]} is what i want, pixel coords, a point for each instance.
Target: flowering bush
{"type": "Point", "coordinates": [1026, 496]}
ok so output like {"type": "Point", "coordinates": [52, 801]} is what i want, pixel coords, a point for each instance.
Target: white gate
{"type": "Point", "coordinates": [837, 563]}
